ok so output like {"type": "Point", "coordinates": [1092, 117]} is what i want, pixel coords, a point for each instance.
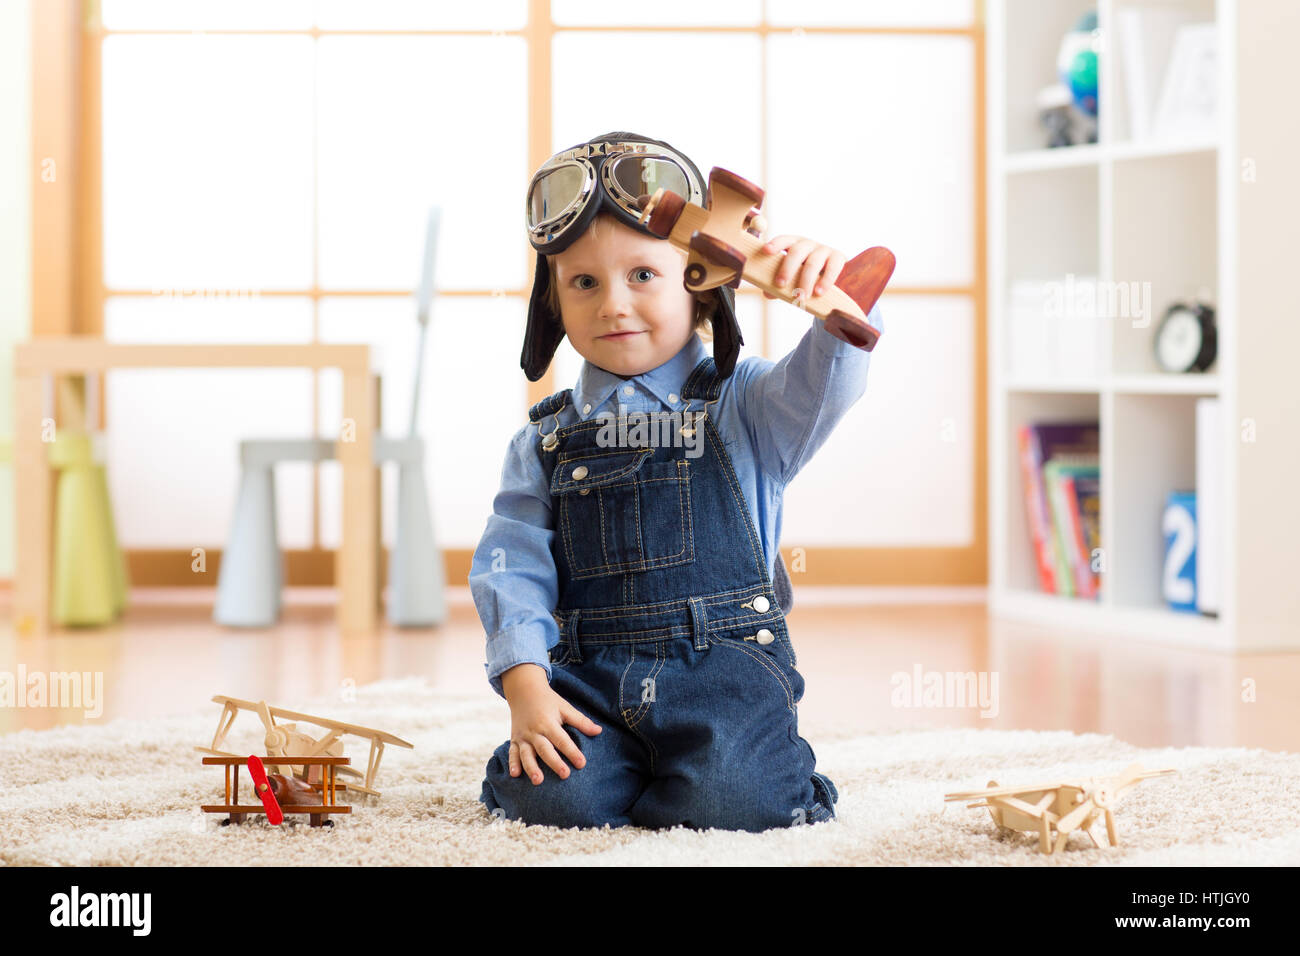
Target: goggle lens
{"type": "Point", "coordinates": [640, 176]}
{"type": "Point", "coordinates": [554, 193]}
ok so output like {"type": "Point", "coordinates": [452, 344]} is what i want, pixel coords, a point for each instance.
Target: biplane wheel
{"type": "Point", "coordinates": [664, 213]}
{"type": "Point", "coordinates": [729, 180]}
{"type": "Point", "coordinates": [715, 252]}
{"type": "Point", "coordinates": [851, 329]}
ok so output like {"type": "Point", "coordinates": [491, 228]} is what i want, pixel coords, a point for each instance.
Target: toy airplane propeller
{"type": "Point", "coordinates": [723, 246]}
{"type": "Point", "coordinates": [1064, 806]}
{"type": "Point", "coordinates": [262, 787]}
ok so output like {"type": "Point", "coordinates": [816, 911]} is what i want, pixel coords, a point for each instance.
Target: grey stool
{"type": "Point", "coordinates": [252, 567]}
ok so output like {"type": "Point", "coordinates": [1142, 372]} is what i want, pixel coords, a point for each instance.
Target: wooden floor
{"type": "Point", "coordinates": [168, 657]}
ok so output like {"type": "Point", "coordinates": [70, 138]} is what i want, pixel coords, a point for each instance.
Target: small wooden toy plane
{"type": "Point", "coordinates": [1063, 807]}
{"type": "Point", "coordinates": [280, 794]}
{"type": "Point", "coordinates": [723, 246]}
{"type": "Point", "coordinates": [286, 740]}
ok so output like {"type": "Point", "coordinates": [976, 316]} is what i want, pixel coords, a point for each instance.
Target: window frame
{"type": "Point", "coordinates": [69, 294]}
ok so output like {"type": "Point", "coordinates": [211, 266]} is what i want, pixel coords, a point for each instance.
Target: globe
{"type": "Point", "coordinates": [1076, 63]}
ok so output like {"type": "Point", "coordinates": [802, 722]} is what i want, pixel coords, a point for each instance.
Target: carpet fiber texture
{"type": "Point", "coordinates": [128, 792]}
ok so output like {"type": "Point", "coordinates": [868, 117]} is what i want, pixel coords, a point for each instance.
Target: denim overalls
{"type": "Point", "coordinates": [672, 639]}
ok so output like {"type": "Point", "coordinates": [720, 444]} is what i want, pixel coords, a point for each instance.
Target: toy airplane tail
{"type": "Point", "coordinates": [863, 279]}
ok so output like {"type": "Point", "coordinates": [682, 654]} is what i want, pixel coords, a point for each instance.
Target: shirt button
{"type": "Point", "coordinates": [672, 398]}
{"type": "Point", "coordinates": [765, 636]}
{"type": "Point", "coordinates": [761, 604]}
{"type": "Point", "coordinates": [628, 389]}
{"type": "Point", "coordinates": [586, 409]}
{"type": "Point", "coordinates": [580, 472]}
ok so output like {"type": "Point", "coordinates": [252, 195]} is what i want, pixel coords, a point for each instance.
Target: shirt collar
{"type": "Point", "coordinates": [596, 385]}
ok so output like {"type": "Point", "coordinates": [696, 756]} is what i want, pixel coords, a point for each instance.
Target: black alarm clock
{"type": "Point", "coordinates": [1186, 339]}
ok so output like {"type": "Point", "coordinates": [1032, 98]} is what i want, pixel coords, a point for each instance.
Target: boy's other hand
{"type": "Point", "coordinates": [808, 267]}
{"type": "Point", "coordinates": [537, 718]}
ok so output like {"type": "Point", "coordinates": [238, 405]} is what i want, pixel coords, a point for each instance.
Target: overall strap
{"type": "Point", "coordinates": [782, 586]}
{"type": "Point", "coordinates": [704, 382]}
{"type": "Point", "coordinates": [548, 406]}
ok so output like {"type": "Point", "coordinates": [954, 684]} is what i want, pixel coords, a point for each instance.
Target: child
{"type": "Point", "coordinates": [630, 585]}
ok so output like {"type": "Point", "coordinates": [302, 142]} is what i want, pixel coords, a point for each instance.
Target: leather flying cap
{"type": "Point", "coordinates": [545, 329]}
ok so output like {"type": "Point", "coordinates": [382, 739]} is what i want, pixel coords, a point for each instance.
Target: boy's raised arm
{"type": "Point", "coordinates": [513, 577]}
{"type": "Point", "coordinates": [791, 406]}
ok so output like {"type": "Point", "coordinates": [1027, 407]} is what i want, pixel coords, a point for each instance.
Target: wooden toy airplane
{"type": "Point", "coordinates": [1065, 807]}
{"type": "Point", "coordinates": [723, 246]}
{"type": "Point", "coordinates": [280, 794]}
{"type": "Point", "coordinates": [286, 740]}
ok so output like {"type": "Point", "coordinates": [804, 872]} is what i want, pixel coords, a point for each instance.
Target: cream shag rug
{"type": "Point", "coordinates": [128, 792]}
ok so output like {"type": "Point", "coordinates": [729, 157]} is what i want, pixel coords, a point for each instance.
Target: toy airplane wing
{"type": "Point", "coordinates": [1017, 791]}
{"type": "Point", "coordinates": [713, 258]}
{"type": "Point", "coordinates": [326, 722]}
{"type": "Point", "coordinates": [1077, 783]}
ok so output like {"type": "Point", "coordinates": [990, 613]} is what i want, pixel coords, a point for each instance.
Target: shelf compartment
{"type": "Point", "coordinates": [1034, 30]}
{"type": "Point", "coordinates": [1165, 226]}
{"type": "Point", "coordinates": [1051, 218]}
{"type": "Point", "coordinates": [1155, 453]}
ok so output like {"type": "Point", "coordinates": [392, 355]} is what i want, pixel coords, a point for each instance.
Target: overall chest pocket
{"type": "Point", "coordinates": [620, 512]}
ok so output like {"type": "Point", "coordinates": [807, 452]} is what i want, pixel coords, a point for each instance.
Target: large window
{"type": "Point", "coordinates": [267, 170]}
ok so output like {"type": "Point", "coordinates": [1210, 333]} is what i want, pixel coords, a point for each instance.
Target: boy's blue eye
{"type": "Point", "coordinates": [644, 275]}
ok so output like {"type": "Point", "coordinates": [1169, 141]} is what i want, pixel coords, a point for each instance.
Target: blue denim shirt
{"type": "Point", "coordinates": [772, 417]}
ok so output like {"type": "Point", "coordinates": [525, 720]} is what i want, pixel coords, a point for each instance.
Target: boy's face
{"type": "Point", "coordinates": [622, 300]}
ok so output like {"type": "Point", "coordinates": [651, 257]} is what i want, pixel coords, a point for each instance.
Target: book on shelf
{"type": "Point", "coordinates": [1073, 485]}
{"type": "Point", "coordinates": [1076, 444]}
{"type": "Point", "coordinates": [1166, 62]}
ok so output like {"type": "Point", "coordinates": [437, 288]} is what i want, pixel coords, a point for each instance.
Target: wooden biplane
{"type": "Point", "coordinates": [285, 740]}
{"type": "Point", "coordinates": [280, 794]}
{"type": "Point", "coordinates": [723, 244]}
{"type": "Point", "coordinates": [1063, 806]}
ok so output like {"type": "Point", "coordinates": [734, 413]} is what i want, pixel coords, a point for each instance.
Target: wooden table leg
{"type": "Point", "coordinates": [33, 512]}
{"type": "Point", "coordinates": [356, 565]}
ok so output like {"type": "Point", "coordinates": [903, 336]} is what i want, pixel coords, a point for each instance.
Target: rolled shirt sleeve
{"type": "Point", "coordinates": [513, 578]}
{"type": "Point", "coordinates": [791, 406]}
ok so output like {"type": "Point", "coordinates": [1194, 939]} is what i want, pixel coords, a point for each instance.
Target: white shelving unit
{"type": "Point", "coordinates": [1182, 216]}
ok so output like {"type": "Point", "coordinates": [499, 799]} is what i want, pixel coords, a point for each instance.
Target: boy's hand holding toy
{"type": "Point", "coordinates": [722, 244]}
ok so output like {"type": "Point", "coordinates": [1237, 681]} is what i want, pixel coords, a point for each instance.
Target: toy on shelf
{"type": "Point", "coordinates": [1063, 807]}
{"type": "Point", "coordinates": [280, 794]}
{"type": "Point", "coordinates": [1068, 108]}
{"type": "Point", "coordinates": [722, 247]}
{"type": "Point", "coordinates": [286, 741]}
